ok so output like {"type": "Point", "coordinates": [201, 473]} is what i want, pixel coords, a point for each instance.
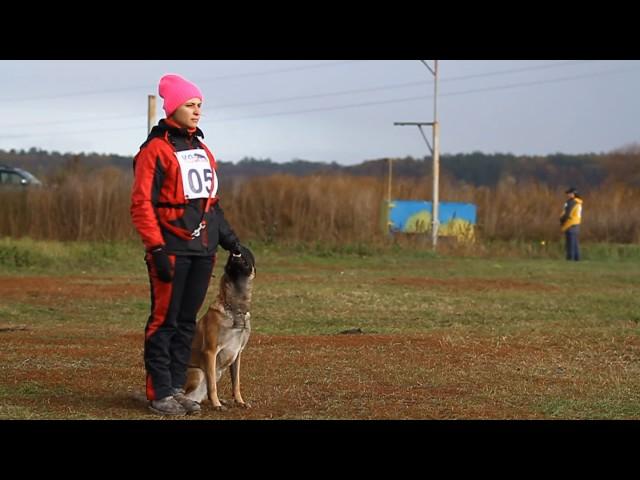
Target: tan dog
{"type": "Point", "coordinates": [222, 333]}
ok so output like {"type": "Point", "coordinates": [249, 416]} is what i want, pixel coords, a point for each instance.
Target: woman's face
{"type": "Point", "coordinates": [188, 114]}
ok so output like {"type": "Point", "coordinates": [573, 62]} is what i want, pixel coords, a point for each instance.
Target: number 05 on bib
{"type": "Point", "coordinates": [198, 178]}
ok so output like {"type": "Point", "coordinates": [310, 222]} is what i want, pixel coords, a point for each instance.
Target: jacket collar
{"type": "Point", "coordinates": [169, 126]}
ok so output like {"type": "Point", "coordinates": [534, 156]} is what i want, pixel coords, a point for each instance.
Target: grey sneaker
{"type": "Point", "coordinates": [189, 405]}
{"type": "Point", "coordinates": [167, 406]}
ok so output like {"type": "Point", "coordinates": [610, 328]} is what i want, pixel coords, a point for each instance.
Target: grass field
{"type": "Point", "coordinates": [519, 336]}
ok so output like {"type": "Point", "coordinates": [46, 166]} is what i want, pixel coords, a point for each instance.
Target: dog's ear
{"type": "Point", "coordinates": [248, 254]}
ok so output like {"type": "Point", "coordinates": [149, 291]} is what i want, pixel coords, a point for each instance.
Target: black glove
{"type": "Point", "coordinates": [162, 264]}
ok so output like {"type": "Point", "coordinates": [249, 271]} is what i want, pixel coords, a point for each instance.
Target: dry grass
{"type": "Point", "coordinates": [321, 208]}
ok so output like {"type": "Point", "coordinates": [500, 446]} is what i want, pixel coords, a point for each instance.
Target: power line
{"type": "Point", "coordinates": [299, 68]}
{"type": "Point", "coordinates": [422, 97]}
{"type": "Point", "coordinates": [357, 105]}
{"type": "Point", "coordinates": [399, 85]}
{"type": "Point", "coordinates": [328, 94]}
{"type": "Point", "coordinates": [77, 120]}
{"type": "Point", "coordinates": [517, 70]}
{"type": "Point", "coordinates": [202, 81]}
{"type": "Point", "coordinates": [77, 132]}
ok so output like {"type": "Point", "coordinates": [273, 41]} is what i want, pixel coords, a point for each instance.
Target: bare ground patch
{"type": "Point", "coordinates": [474, 284]}
{"type": "Point", "coordinates": [429, 376]}
{"type": "Point", "coordinates": [45, 289]}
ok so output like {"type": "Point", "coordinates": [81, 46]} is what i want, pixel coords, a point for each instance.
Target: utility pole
{"type": "Point", "coordinates": [389, 184]}
{"type": "Point", "coordinates": [435, 152]}
{"type": "Point", "coordinates": [389, 181]}
{"type": "Point", "coordinates": [151, 112]}
{"type": "Point", "coordinates": [436, 158]}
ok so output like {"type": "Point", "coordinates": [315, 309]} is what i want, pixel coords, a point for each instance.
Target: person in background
{"type": "Point", "coordinates": [570, 223]}
{"type": "Point", "coordinates": [175, 210]}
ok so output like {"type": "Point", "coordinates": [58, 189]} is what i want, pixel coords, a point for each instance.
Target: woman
{"type": "Point", "coordinates": [176, 211]}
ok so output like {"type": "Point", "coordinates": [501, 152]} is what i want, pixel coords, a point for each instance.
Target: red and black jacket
{"type": "Point", "coordinates": [159, 210]}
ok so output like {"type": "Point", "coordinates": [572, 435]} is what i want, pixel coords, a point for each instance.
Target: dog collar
{"type": "Point", "coordinates": [238, 317]}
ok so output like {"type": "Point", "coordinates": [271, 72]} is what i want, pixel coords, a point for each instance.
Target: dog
{"type": "Point", "coordinates": [222, 333]}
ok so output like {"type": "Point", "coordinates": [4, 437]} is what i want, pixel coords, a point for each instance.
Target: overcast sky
{"type": "Point", "coordinates": [328, 110]}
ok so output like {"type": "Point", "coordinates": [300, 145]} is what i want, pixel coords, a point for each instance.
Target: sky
{"type": "Point", "coordinates": [328, 110]}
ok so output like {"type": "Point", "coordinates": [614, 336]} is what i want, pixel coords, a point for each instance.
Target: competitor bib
{"type": "Point", "coordinates": [198, 178]}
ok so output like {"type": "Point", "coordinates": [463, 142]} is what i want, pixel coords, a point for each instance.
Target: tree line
{"type": "Point", "coordinates": [479, 169]}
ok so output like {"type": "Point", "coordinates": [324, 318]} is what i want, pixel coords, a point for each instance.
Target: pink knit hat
{"type": "Point", "coordinates": [176, 90]}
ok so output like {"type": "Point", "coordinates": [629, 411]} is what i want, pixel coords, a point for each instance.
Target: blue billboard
{"type": "Point", "coordinates": [412, 216]}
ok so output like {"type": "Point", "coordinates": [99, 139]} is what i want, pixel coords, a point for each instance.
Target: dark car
{"type": "Point", "coordinates": [16, 177]}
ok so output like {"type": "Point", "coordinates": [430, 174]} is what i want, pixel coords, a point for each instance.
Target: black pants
{"type": "Point", "coordinates": [171, 325]}
{"type": "Point", "coordinates": [571, 243]}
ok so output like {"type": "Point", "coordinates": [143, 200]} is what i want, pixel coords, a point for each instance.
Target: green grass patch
{"type": "Point", "coordinates": [536, 337]}
{"type": "Point", "coordinates": [27, 257]}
